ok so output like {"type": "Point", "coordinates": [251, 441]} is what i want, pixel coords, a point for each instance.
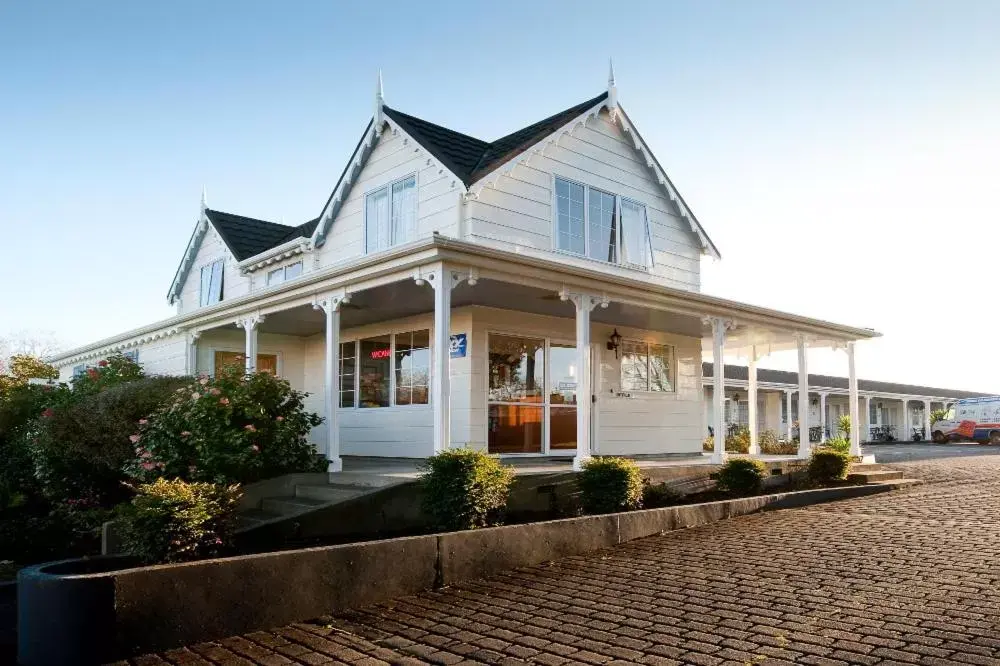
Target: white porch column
{"type": "Point", "coordinates": [822, 417]}
{"type": "Point", "coordinates": [804, 448]}
{"type": "Point", "coordinates": [719, 327]}
{"type": "Point", "coordinates": [250, 323]}
{"type": "Point", "coordinates": [441, 359]}
{"type": "Point", "coordinates": [866, 427]}
{"type": "Point", "coordinates": [752, 401]}
{"type": "Point", "coordinates": [789, 417]}
{"type": "Point", "coordinates": [191, 360]}
{"type": "Point", "coordinates": [330, 304]}
{"type": "Point", "coordinates": [584, 304]}
{"type": "Point", "coordinates": [904, 425]}
{"type": "Point", "coordinates": [928, 435]}
{"type": "Point", "coordinates": [852, 384]}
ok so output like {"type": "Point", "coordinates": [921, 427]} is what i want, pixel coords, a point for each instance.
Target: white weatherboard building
{"type": "Point", "coordinates": [533, 295]}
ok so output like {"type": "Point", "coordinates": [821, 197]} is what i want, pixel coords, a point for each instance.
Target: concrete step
{"type": "Point", "coordinates": [367, 479]}
{"type": "Point", "coordinates": [874, 476]}
{"type": "Point", "coordinates": [254, 517]}
{"type": "Point", "coordinates": [289, 506]}
{"type": "Point", "coordinates": [329, 493]}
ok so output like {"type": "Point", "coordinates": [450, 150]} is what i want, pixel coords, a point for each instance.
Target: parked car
{"type": "Point", "coordinates": [975, 419]}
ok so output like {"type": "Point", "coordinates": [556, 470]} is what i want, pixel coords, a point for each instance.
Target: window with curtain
{"type": "Point", "coordinates": [646, 366]}
{"type": "Point", "coordinates": [391, 215]}
{"type": "Point", "coordinates": [211, 283]}
{"type": "Point", "coordinates": [601, 225]}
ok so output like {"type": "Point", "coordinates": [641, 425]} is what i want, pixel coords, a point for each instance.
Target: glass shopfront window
{"type": "Point", "coordinates": [413, 363]}
{"type": "Point", "coordinates": [516, 394]}
{"type": "Point", "coordinates": [375, 363]}
{"type": "Point", "coordinates": [348, 367]}
{"type": "Point", "coordinates": [562, 396]}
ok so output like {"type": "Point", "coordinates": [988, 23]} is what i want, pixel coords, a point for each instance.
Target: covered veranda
{"type": "Point", "coordinates": [451, 288]}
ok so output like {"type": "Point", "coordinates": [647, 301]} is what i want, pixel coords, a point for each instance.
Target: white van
{"type": "Point", "coordinates": [977, 419]}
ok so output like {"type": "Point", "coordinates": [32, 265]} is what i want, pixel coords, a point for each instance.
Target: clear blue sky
{"type": "Point", "coordinates": [843, 155]}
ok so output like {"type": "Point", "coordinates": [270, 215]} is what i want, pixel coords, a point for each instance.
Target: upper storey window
{"type": "Point", "coordinates": [391, 215]}
{"type": "Point", "coordinates": [211, 283]}
{"type": "Point", "coordinates": [285, 273]}
{"type": "Point", "coordinates": [601, 225]}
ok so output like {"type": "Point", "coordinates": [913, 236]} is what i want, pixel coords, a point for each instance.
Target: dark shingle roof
{"type": "Point", "coordinates": [470, 158]}
{"type": "Point", "coordinates": [246, 236]}
{"type": "Point", "coordinates": [741, 373]}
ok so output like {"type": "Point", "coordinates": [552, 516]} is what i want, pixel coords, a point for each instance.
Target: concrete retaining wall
{"type": "Point", "coordinates": [156, 608]}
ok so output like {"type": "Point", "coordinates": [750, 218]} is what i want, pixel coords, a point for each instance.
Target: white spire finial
{"type": "Point", "coordinates": [204, 199]}
{"type": "Point", "coordinates": [612, 88]}
{"type": "Point", "coordinates": [379, 102]}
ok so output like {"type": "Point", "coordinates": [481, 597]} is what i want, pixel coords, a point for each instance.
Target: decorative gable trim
{"type": "Point", "coordinates": [104, 351]}
{"type": "Point", "coordinates": [187, 261]}
{"type": "Point", "coordinates": [371, 137]}
{"type": "Point", "coordinates": [293, 247]}
{"type": "Point", "coordinates": [618, 114]}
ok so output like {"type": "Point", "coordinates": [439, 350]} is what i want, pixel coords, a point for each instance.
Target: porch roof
{"type": "Point", "coordinates": [741, 373]}
{"type": "Point", "coordinates": [533, 269]}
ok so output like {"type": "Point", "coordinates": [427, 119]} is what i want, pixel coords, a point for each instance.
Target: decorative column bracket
{"type": "Point", "coordinates": [250, 322]}
{"type": "Point", "coordinates": [331, 302]}
{"type": "Point", "coordinates": [191, 337]}
{"type": "Point", "coordinates": [581, 300]}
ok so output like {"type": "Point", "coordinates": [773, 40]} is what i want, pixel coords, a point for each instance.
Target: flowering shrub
{"type": "Point", "coordinates": [233, 428]}
{"type": "Point", "coordinates": [175, 521]}
{"type": "Point", "coordinates": [112, 371]}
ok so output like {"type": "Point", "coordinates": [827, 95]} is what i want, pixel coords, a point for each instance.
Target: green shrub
{"type": "Point", "coordinates": [827, 465]}
{"type": "Point", "coordinates": [742, 476]}
{"type": "Point", "coordinates": [20, 407]}
{"type": "Point", "coordinates": [37, 531]}
{"type": "Point", "coordinates": [233, 428]}
{"type": "Point", "coordinates": [844, 426]}
{"type": "Point", "coordinates": [176, 521]}
{"type": "Point", "coordinates": [114, 370]}
{"type": "Point", "coordinates": [655, 495]}
{"type": "Point", "coordinates": [771, 445]}
{"type": "Point", "coordinates": [838, 444]}
{"type": "Point", "coordinates": [82, 448]}
{"type": "Point", "coordinates": [610, 484]}
{"type": "Point", "coordinates": [464, 489]}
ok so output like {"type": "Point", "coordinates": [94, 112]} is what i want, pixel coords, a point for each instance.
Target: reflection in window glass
{"type": "Point", "coordinates": [570, 232]}
{"type": "Point", "coordinates": [413, 361]}
{"type": "Point", "coordinates": [375, 367]}
{"type": "Point", "coordinates": [348, 364]}
{"type": "Point", "coordinates": [517, 369]}
{"type": "Point", "coordinates": [646, 367]}
{"type": "Point", "coordinates": [562, 396]}
{"type": "Point", "coordinates": [603, 227]}
{"type": "Point", "coordinates": [515, 429]}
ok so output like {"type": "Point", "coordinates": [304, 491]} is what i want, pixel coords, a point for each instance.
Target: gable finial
{"type": "Point", "coordinates": [379, 103]}
{"type": "Point", "coordinates": [612, 88]}
{"type": "Point", "coordinates": [204, 200]}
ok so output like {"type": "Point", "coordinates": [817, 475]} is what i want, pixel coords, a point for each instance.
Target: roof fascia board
{"type": "Point", "coordinates": [275, 254]}
{"type": "Point", "coordinates": [187, 260]}
{"type": "Point", "coordinates": [832, 390]}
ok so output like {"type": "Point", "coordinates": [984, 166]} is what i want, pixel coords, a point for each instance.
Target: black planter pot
{"type": "Point", "coordinates": [65, 611]}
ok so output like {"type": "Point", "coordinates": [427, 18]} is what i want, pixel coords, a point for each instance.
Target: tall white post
{"type": "Point", "coordinates": [250, 323]}
{"type": "Point", "coordinates": [191, 360]}
{"type": "Point", "coordinates": [904, 425]}
{"type": "Point", "coordinates": [752, 401]}
{"type": "Point", "coordinates": [330, 305]}
{"type": "Point", "coordinates": [441, 355]}
{"type": "Point", "coordinates": [719, 326]}
{"type": "Point", "coordinates": [866, 418]}
{"type": "Point", "coordinates": [789, 417]}
{"type": "Point", "coordinates": [822, 417]}
{"type": "Point", "coordinates": [852, 389]}
{"type": "Point", "coordinates": [804, 448]}
{"type": "Point", "coordinates": [928, 435]}
{"type": "Point", "coordinates": [584, 304]}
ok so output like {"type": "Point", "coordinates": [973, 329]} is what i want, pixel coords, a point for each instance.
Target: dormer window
{"type": "Point", "coordinates": [391, 215]}
{"type": "Point", "coordinates": [601, 225]}
{"type": "Point", "coordinates": [211, 283]}
{"type": "Point", "coordinates": [283, 274]}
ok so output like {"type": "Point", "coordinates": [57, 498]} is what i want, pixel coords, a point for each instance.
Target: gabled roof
{"type": "Point", "coordinates": [247, 236]}
{"type": "Point", "coordinates": [470, 158]}
{"type": "Point", "coordinates": [741, 373]}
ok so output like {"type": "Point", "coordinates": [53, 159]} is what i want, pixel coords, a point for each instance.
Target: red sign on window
{"type": "Point", "coordinates": [381, 353]}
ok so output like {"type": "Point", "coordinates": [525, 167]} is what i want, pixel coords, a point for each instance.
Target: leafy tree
{"type": "Point", "coordinates": [939, 415]}
{"type": "Point", "coordinates": [21, 368]}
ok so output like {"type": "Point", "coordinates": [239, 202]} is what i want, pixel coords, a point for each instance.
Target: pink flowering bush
{"type": "Point", "coordinates": [232, 428]}
{"type": "Point", "coordinates": [176, 521]}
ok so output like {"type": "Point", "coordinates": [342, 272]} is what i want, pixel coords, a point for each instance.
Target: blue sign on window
{"type": "Point", "coordinates": [457, 345]}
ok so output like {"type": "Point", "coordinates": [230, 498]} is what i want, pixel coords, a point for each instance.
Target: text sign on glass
{"type": "Point", "coordinates": [457, 345]}
{"type": "Point", "coordinates": [381, 353]}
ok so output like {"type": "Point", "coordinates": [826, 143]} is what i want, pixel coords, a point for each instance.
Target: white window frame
{"type": "Point", "coordinates": [387, 188]}
{"type": "Point", "coordinates": [202, 298]}
{"type": "Point", "coordinates": [263, 351]}
{"type": "Point", "coordinates": [284, 273]}
{"type": "Point", "coordinates": [392, 333]}
{"type": "Point", "coordinates": [672, 368]}
{"type": "Point", "coordinates": [650, 261]}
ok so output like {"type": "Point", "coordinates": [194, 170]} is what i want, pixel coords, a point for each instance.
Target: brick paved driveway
{"type": "Point", "coordinates": [903, 578]}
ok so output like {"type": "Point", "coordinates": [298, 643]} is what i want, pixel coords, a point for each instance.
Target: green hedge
{"type": "Point", "coordinates": [610, 484]}
{"type": "Point", "coordinates": [742, 476]}
{"type": "Point", "coordinates": [464, 489]}
{"type": "Point", "coordinates": [828, 465]}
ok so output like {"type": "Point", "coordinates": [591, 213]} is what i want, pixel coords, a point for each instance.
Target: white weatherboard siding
{"type": "Point", "coordinates": [517, 214]}
{"type": "Point", "coordinates": [233, 284]}
{"type": "Point", "coordinates": [289, 349]}
{"type": "Point", "coordinates": [165, 356]}
{"type": "Point", "coordinates": [394, 157]}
